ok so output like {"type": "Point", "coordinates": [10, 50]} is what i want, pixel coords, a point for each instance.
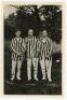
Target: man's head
{"type": "Point", "coordinates": [44, 33]}
{"type": "Point", "coordinates": [30, 32]}
{"type": "Point", "coordinates": [18, 33]}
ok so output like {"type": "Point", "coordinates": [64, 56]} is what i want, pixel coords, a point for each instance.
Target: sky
{"type": "Point", "coordinates": [9, 10]}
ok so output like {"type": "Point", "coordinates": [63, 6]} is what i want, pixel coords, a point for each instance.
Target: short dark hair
{"type": "Point", "coordinates": [30, 29]}
{"type": "Point", "coordinates": [17, 30]}
{"type": "Point", "coordinates": [44, 30]}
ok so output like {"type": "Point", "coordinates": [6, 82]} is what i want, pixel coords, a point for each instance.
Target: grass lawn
{"type": "Point", "coordinates": [25, 87]}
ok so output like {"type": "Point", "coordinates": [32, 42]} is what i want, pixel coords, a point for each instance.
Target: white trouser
{"type": "Point", "coordinates": [30, 62]}
{"type": "Point", "coordinates": [42, 64]}
{"type": "Point", "coordinates": [18, 64]}
{"type": "Point", "coordinates": [48, 63]}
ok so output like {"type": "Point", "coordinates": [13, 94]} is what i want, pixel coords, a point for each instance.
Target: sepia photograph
{"type": "Point", "coordinates": [32, 49]}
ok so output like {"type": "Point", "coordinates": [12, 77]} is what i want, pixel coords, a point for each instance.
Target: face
{"type": "Point", "coordinates": [30, 32]}
{"type": "Point", "coordinates": [18, 33]}
{"type": "Point", "coordinates": [44, 33]}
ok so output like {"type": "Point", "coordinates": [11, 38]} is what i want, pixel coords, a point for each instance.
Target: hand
{"type": "Point", "coordinates": [23, 50]}
{"type": "Point", "coordinates": [19, 53]}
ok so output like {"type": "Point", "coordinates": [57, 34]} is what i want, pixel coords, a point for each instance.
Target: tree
{"type": "Point", "coordinates": [45, 17]}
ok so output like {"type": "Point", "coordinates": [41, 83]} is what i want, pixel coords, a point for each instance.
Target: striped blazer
{"type": "Point", "coordinates": [45, 47]}
{"type": "Point", "coordinates": [18, 48]}
{"type": "Point", "coordinates": [32, 47]}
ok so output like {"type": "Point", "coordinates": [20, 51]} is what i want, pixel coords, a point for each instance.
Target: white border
{"type": "Point", "coordinates": [64, 42]}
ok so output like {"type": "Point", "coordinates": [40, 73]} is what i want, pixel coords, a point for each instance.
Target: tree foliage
{"type": "Point", "coordinates": [45, 17]}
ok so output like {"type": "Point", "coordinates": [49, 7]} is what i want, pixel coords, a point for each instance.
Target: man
{"type": "Point", "coordinates": [46, 55]}
{"type": "Point", "coordinates": [32, 55]}
{"type": "Point", "coordinates": [17, 47]}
